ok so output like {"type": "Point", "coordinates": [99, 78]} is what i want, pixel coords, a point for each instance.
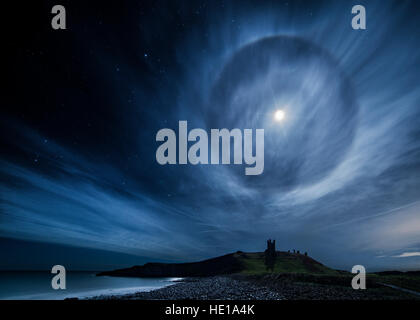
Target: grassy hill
{"type": "Point", "coordinates": [238, 262]}
{"type": "Point", "coordinates": [253, 264]}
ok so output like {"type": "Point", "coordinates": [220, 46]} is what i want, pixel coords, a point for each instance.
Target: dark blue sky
{"type": "Point", "coordinates": [79, 179]}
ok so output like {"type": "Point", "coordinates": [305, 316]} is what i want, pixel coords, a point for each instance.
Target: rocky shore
{"type": "Point", "coordinates": [209, 288]}
{"type": "Point", "coordinates": [259, 288]}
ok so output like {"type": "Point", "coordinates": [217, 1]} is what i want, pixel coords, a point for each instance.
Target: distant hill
{"type": "Point", "coordinates": [398, 273]}
{"type": "Point", "coordinates": [238, 262]}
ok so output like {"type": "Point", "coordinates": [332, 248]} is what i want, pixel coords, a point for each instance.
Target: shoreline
{"type": "Point", "coordinates": [266, 287]}
{"type": "Point", "coordinates": [203, 288]}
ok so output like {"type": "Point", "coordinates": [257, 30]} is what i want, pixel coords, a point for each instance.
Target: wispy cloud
{"type": "Point", "coordinates": [407, 254]}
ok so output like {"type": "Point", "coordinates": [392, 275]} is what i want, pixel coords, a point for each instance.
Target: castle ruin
{"type": "Point", "coordinates": [270, 254]}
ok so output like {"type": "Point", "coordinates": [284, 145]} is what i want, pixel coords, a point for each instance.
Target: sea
{"type": "Point", "coordinates": [36, 285]}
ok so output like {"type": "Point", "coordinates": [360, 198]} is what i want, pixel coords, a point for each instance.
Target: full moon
{"type": "Point", "coordinates": [279, 115]}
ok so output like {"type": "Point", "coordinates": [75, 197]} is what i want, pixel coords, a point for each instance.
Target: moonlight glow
{"type": "Point", "coordinates": [279, 115]}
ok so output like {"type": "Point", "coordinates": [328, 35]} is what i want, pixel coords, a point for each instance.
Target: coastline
{"type": "Point", "coordinates": [268, 287]}
{"type": "Point", "coordinates": [203, 288]}
{"type": "Point", "coordinates": [36, 285]}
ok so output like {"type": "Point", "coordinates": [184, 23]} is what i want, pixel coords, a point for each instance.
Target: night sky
{"type": "Point", "coordinates": [79, 181]}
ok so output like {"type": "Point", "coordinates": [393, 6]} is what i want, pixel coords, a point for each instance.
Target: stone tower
{"type": "Point", "coordinates": [271, 246]}
{"type": "Point", "coordinates": [270, 254]}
